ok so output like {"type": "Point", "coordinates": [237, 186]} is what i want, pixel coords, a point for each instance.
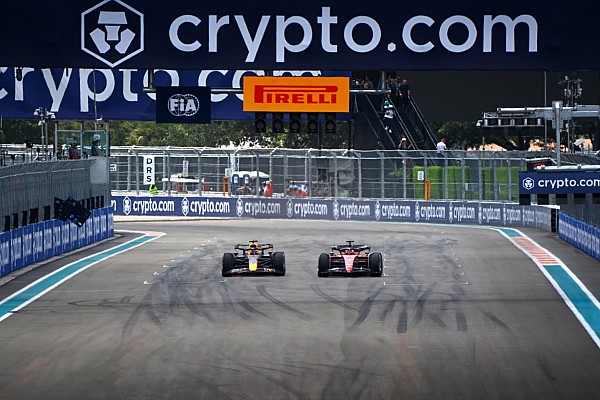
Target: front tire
{"type": "Point", "coordinates": [323, 265]}
{"type": "Point", "coordinates": [279, 263]}
{"type": "Point", "coordinates": [376, 264]}
{"type": "Point", "coordinates": [228, 264]}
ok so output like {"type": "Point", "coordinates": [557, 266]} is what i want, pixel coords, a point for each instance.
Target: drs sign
{"type": "Point", "coordinates": [183, 105]}
{"type": "Point", "coordinates": [149, 170]}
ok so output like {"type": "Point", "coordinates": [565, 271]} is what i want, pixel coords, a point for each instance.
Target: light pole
{"type": "Point", "coordinates": [43, 114]}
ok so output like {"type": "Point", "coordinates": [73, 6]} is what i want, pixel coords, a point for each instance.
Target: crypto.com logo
{"type": "Point", "coordinates": [528, 183]}
{"type": "Point", "coordinates": [112, 32]}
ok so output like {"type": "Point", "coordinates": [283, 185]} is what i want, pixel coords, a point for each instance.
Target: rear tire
{"type": "Point", "coordinates": [228, 263]}
{"type": "Point", "coordinates": [323, 265]}
{"type": "Point", "coordinates": [376, 264]}
{"type": "Point", "coordinates": [279, 263]}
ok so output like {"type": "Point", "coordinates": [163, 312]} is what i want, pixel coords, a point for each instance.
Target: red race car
{"type": "Point", "coordinates": [350, 259]}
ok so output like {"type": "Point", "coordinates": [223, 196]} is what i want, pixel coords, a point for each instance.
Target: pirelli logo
{"type": "Point", "coordinates": [296, 94]}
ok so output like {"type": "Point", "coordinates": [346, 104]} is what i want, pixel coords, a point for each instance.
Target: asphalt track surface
{"type": "Point", "coordinates": [460, 313]}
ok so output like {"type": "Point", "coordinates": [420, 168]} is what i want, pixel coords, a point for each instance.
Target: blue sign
{"type": "Point", "coordinates": [262, 34]}
{"type": "Point", "coordinates": [36, 242]}
{"type": "Point", "coordinates": [581, 235]}
{"type": "Point", "coordinates": [119, 93]}
{"type": "Point", "coordinates": [559, 182]}
{"type": "Point", "coordinates": [463, 213]}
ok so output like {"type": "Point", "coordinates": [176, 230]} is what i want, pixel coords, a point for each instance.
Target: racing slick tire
{"type": "Point", "coordinates": [323, 265]}
{"type": "Point", "coordinates": [376, 264]}
{"type": "Point", "coordinates": [228, 263]}
{"type": "Point", "coordinates": [279, 263]}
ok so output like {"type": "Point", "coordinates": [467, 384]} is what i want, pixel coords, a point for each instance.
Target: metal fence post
{"type": "Point", "coordinates": [335, 176]}
{"type": "Point", "coordinates": [285, 173]}
{"type": "Point", "coordinates": [404, 193]}
{"type": "Point", "coordinates": [382, 174]}
{"type": "Point", "coordinates": [462, 176]}
{"type": "Point", "coordinates": [307, 171]}
{"type": "Point", "coordinates": [257, 184]}
{"type": "Point", "coordinates": [359, 163]}
{"type": "Point", "coordinates": [509, 179]}
{"type": "Point", "coordinates": [446, 192]}
{"type": "Point", "coordinates": [479, 178]}
{"type": "Point", "coordinates": [168, 172]}
{"type": "Point", "coordinates": [495, 177]}
{"type": "Point", "coordinates": [137, 173]}
{"type": "Point", "coordinates": [129, 171]}
{"type": "Point", "coordinates": [200, 173]}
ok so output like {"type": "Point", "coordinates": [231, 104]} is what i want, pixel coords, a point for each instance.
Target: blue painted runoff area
{"type": "Point", "coordinates": [45, 284]}
{"type": "Point", "coordinates": [584, 304]}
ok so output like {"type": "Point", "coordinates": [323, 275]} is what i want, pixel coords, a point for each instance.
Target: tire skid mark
{"type": "Point", "coordinates": [497, 321]}
{"type": "Point", "coordinates": [365, 308]}
{"type": "Point", "coordinates": [331, 299]}
{"type": "Point", "coordinates": [402, 326]}
{"type": "Point", "coordinates": [263, 292]}
{"type": "Point", "coordinates": [420, 305]}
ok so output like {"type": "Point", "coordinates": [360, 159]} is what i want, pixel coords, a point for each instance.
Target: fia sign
{"type": "Point", "coordinates": [183, 105]}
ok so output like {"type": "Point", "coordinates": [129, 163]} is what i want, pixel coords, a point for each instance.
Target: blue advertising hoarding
{"type": "Point", "coordinates": [40, 241]}
{"type": "Point", "coordinates": [262, 34]}
{"type": "Point", "coordinates": [120, 94]}
{"type": "Point", "coordinates": [464, 213]}
{"type": "Point", "coordinates": [559, 182]}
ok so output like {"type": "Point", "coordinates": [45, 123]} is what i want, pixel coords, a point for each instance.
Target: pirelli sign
{"type": "Point", "coordinates": [296, 94]}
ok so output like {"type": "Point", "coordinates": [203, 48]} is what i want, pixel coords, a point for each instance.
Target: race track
{"type": "Point", "coordinates": [460, 313]}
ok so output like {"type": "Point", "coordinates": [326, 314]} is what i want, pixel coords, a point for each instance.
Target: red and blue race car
{"type": "Point", "coordinates": [350, 259]}
{"type": "Point", "coordinates": [253, 259]}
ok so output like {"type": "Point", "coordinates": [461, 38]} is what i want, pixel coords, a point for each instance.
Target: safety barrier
{"type": "Point", "coordinates": [40, 241]}
{"type": "Point", "coordinates": [581, 235]}
{"type": "Point", "coordinates": [382, 210]}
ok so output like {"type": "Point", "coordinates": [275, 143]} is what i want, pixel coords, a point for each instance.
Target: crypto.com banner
{"type": "Point", "coordinates": [559, 182]}
{"type": "Point", "coordinates": [453, 212]}
{"type": "Point", "coordinates": [315, 34]}
{"type": "Point", "coordinates": [119, 93]}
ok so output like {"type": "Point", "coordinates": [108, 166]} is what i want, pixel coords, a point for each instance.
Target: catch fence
{"type": "Point", "coordinates": [453, 175]}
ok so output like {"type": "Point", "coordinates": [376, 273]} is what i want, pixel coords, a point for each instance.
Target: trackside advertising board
{"type": "Point", "coordinates": [496, 214]}
{"type": "Point", "coordinates": [120, 94]}
{"type": "Point", "coordinates": [297, 94]}
{"type": "Point", "coordinates": [581, 235]}
{"type": "Point", "coordinates": [36, 242]}
{"type": "Point", "coordinates": [559, 182]}
{"type": "Point", "coordinates": [309, 34]}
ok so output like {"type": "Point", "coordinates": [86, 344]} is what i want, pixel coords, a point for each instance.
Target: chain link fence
{"type": "Point", "coordinates": [453, 175]}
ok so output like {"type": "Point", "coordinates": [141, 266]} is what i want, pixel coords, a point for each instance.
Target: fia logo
{"type": "Point", "coordinates": [112, 32]}
{"type": "Point", "coordinates": [183, 105]}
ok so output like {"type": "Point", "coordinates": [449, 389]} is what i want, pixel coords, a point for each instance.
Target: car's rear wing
{"type": "Point", "coordinates": [259, 246]}
{"type": "Point", "coordinates": [353, 247]}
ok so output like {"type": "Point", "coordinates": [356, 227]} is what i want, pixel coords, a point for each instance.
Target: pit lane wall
{"type": "Point", "coordinates": [474, 213]}
{"type": "Point", "coordinates": [40, 241]}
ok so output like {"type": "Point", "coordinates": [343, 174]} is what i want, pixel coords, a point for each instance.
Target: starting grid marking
{"type": "Point", "coordinates": [574, 293]}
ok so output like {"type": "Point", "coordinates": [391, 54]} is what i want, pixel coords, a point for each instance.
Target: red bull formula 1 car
{"type": "Point", "coordinates": [350, 259]}
{"type": "Point", "coordinates": [253, 259]}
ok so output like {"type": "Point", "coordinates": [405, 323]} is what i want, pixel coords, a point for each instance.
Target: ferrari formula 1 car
{"type": "Point", "coordinates": [253, 259]}
{"type": "Point", "coordinates": [350, 259]}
